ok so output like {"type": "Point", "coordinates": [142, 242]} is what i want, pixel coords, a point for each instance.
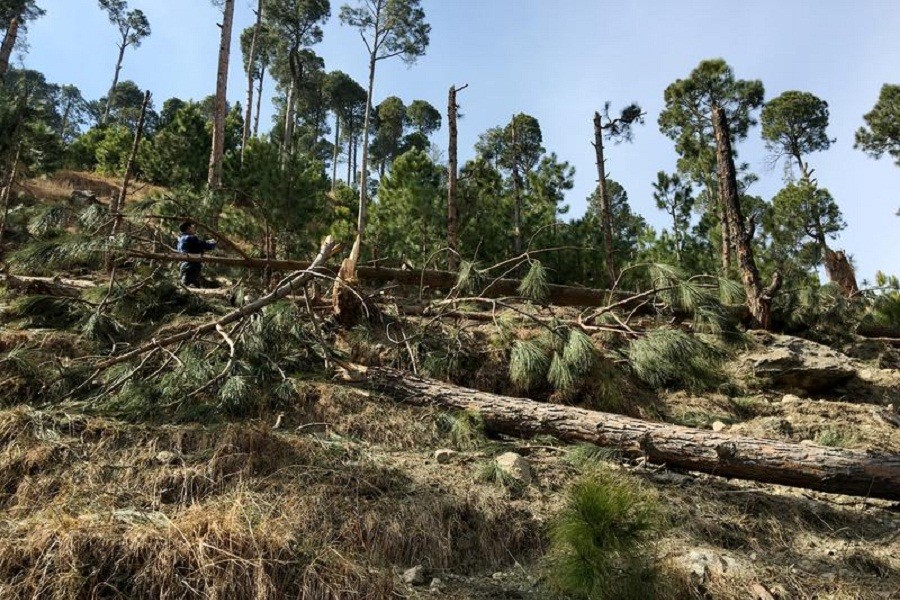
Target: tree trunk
{"type": "Point", "coordinates": [259, 93]}
{"type": "Point", "coordinates": [119, 203]}
{"type": "Point", "coordinates": [840, 271]}
{"type": "Point", "coordinates": [251, 80]}
{"type": "Point", "coordinates": [726, 236]}
{"type": "Point", "coordinates": [356, 159]}
{"type": "Point", "coordinates": [605, 210]}
{"type": "Point", "coordinates": [558, 295]}
{"type": "Point", "coordinates": [348, 133]}
{"type": "Point", "coordinates": [452, 113]}
{"type": "Point", "coordinates": [110, 97]}
{"type": "Point", "coordinates": [517, 191]}
{"type": "Point", "coordinates": [287, 142]}
{"type": "Point", "coordinates": [9, 42]}
{"type": "Point", "coordinates": [214, 178]}
{"type": "Point", "coordinates": [759, 301]}
{"type": "Point", "coordinates": [336, 155]}
{"type": "Point", "coordinates": [7, 192]}
{"type": "Point", "coordinates": [851, 472]}
{"type": "Point", "coordinates": [364, 163]}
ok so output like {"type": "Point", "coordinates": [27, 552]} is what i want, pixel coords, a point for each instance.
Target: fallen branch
{"type": "Point", "coordinates": [814, 467]}
{"type": "Point", "coordinates": [289, 283]}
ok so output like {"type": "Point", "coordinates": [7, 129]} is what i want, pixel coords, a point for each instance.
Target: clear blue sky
{"type": "Point", "coordinates": [559, 60]}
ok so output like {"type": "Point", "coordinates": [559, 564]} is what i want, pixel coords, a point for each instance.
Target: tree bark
{"type": "Point", "coordinates": [452, 217]}
{"type": "Point", "coordinates": [336, 155]}
{"type": "Point", "coordinates": [110, 97]}
{"type": "Point", "coordinates": [517, 190]}
{"type": "Point", "coordinates": [251, 80]}
{"type": "Point", "coordinates": [840, 271]}
{"type": "Point", "coordinates": [603, 197]}
{"type": "Point", "coordinates": [259, 93]}
{"type": "Point", "coordinates": [216, 167]}
{"type": "Point", "coordinates": [9, 42]}
{"type": "Point", "coordinates": [819, 468]}
{"type": "Point", "coordinates": [7, 192]}
{"type": "Point", "coordinates": [759, 300]}
{"type": "Point", "coordinates": [287, 141]}
{"type": "Point", "coordinates": [119, 202]}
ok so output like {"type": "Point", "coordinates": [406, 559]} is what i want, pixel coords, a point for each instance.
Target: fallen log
{"type": "Point", "coordinates": [559, 295]}
{"type": "Point", "coordinates": [813, 467]}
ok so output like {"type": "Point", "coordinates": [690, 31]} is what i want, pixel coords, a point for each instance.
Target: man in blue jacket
{"type": "Point", "coordinates": [189, 243]}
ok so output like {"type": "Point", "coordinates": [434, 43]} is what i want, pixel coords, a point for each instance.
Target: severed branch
{"type": "Point", "coordinates": [289, 283]}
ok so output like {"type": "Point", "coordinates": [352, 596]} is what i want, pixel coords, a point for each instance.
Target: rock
{"type": "Point", "coordinates": [790, 399]}
{"type": "Point", "coordinates": [415, 575]}
{"type": "Point", "coordinates": [444, 455]}
{"type": "Point", "coordinates": [700, 564]}
{"type": "Point", "coordinates": [795, 363]}
{"type": "Point", "coordinates": [760, 592]}
{"type": "Point", "coordinates": [718, 426]}
{"type": "Point", "coordinates": [516, 466]}
{"type": "Point", "coordinates": [436, 585]}
{"type": "Point", "coordinates": [166, 457]}
{"type": "Point", "coordinates": [83, 197]}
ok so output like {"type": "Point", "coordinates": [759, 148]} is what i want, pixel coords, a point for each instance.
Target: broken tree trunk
{"type": "Point", "coordinates": [840, 271]}
{"type": "Point", "coordinates": [119, 202]}
{"type": "Point", "coordinates": [819, 468]}
{"type": "Point", "coordinates": [559, 295]}
{"type": "Point", "coordinates": [9, 42]}
{"type": "Point", "coordinates": [603, 197]}
{"type": "Point", "coordinates": [759, 300]}
{"type": "Point", "coordinates": [452, 217]}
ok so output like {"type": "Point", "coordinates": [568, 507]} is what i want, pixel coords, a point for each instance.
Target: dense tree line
{"type": "Point", "coordinates": [334, 160]}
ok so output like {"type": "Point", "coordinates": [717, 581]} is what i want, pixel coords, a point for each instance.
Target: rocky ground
{"type": "Point", "coordinates": [348, 491]}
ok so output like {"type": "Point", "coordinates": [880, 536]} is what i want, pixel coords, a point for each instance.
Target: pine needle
{"type": "Point", "coordinates": [534, 285]}
{"type": "Point", "coordinates": [528, 365]}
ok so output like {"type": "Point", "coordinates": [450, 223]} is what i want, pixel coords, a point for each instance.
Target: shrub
{"type": "Point", "coordinates": [601, 542]}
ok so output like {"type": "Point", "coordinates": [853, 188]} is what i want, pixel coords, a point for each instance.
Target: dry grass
{"type": "Point", "coordinates": [60, 185]}
{"type": "Point", "coordinates": [92, 508]}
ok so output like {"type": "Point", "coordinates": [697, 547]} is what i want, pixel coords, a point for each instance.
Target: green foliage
{"type": "Point", "coordinates": [397, 29]}
{"type": "Point", "coordinates": [50, 220]}
{"type": "Point", "coordinates": [104, 148]}
{"type": "Point", "coordinates": [179, 152]}
{"type": "Point", "coordinates": [882, 131]}
{"type": "Point", "coordinates": [687, 117]}
{"type": "Point", "coordinates": [669, 357]}
{"type": "Point", "coordinates": [534, 285]}
{"type": "Point", "coordinates": [590, 456]}
{"type": "Point", "coordinates": [408, 222]}
{"type": "Point", "coordinates": [563, 358]}
{"type": "Point", "coordinates": [528, 364]}
{"type": "Point", "coordinates": [465, 429]}
{"type": "Point", "coordinates": [493, 473]}
{"type": "Point", "coordinates": [61, 253]}
{"type": "Point", "coordinates": [46, 311]}
{"type": "Point", "coordinates": [802, 218]}
{"type": "Point", "coordinates": [794, 124]}
{"type": "Point", "coordinates": [601, 542]}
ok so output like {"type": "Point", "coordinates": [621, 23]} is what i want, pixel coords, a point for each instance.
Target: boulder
{"type": "Point", "coordinates": [796, 364]}
{"type": "Point", "coordinates": [415, 575]}
{"type": "Point", "coordinates": [444, 455]}
{"type": "Point", "coordinates": [516, 466]}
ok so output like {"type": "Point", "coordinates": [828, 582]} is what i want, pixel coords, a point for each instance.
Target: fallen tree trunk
{"type": "Point", "coordinates": [814, 467]}
{"type": "Point", "coordinates": [559, 295]}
